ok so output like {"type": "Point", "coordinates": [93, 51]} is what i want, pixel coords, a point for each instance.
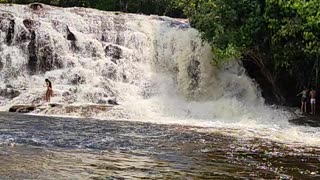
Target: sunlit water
{"type": "Point", "coordinates": [34, 147]}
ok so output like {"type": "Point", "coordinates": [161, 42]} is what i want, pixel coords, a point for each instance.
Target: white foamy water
{"type": "Point", "coordinates": [156, 68]}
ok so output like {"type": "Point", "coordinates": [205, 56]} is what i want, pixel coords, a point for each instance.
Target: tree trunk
{"type": "Point", "coordinates": [257, 59]}
{"type": "Point", "coordinates": [273, 80]}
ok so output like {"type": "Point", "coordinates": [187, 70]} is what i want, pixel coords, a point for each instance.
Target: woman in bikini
{"type": "Point", "coordinates": [303, 100]}
{"type": "Point", "coordinates": [49, 90]}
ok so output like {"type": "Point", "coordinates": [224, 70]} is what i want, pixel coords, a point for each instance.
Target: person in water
{"type": "Point", "coordinates": [313, 94]}
{"type": "Point", "coordinates": [303, 100]}
{"type": "Point", "coordinates": [49, 90]}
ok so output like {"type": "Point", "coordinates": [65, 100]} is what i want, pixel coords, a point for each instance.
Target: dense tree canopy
{"type": "Point", "coordinates": [280, 37]}
{"type": "Point", "coordinates": [160, 7]}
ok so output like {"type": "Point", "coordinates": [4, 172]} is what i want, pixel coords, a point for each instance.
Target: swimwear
{"type": "Point", "coordinates": [303, 99]}
{"type": "Point", "coordinates": [313, 101]}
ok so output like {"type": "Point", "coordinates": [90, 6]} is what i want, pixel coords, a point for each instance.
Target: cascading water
{"type": "Point", "coordinates": [157, 68]}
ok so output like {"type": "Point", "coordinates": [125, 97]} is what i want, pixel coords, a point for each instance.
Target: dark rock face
{"type": "Point", "coordinates": [307, 120]}
{"type": "Point", "coordinates": [42, 57]}
{"type": "Point", "coordinates": [102, 101]}
{"type": "Point", "coordinates": [9, 93]}
{"type": "Point", "coordinates": [33, 59]}
{"type": "Point", "coordinates": [7, 25]}
{"type": "Point", "coordinates": [48, 59]}
{"type": "Point", "coordinates": [77, 79]}
{"type": "Point", "coordinates": [36, 6]}
{"type": "Point", "coordinates": [10, 32]}
{"type": "Point", "coordinates": [66, 93]}
{"type": "Point", "coordinates": [113, 102]}
{"type": "Point", "coordinates": [29, 24]}
{"type": "Point", "coordinates": [71, 37]}
{"type": "Point", "coordinates": [194, 73]}
{"type": "Point", "coordinates": [114, 52]}
{"type": "Point", "coordinates": [22, 108]}
{"type": "Point", "coordinates": [1, 64]}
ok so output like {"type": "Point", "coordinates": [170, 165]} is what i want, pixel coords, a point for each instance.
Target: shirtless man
{"type": "Point", "coordinates": [49, 90]}
{"type": "Point", "coordinates": [313, 94]}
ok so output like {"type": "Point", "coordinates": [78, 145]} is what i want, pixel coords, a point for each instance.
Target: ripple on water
{"type": "Point", "coordinates": [55, 148]}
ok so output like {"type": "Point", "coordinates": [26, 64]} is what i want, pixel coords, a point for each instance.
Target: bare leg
{"type": "Point", "coordinates": [302, 107]}
{"type": "Point", "coordinates": [305, 107]}
{"type": "Point", "coordinates": [47, 96]}
{"type": "Point", "coordinates": [314, 108]}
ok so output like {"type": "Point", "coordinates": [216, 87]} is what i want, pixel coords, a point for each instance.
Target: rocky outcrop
{"type": "Point", "coordinates": [9, 93]}
{"type": "Point", "coordinates": [307, 120]}
{"type": "Point", "coordinates": [7, 25]}
{"type": "Point", "coordinates": [36, 6]}
{"type": "Point", "coordinates": [86, 110]}
{"type": "Point", "coordinates": [33, 59]}
{"type": "Point", "coordinates": [194, 74]}
{"type": "Point", "coordinates": [71, 37]}
{"type": "Point", "coordinates": [22, 108]}
{"type": "Point", "coordinates": [114, 52]}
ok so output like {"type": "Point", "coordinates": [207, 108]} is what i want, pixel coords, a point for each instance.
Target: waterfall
{"type": "Point", "coordinates": [157, 68]}
{"type": "Point", "coordinates": [154, 67]}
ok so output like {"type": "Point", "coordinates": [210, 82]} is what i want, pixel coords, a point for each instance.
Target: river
{"type": "Point", "coordinates": [36, 147]}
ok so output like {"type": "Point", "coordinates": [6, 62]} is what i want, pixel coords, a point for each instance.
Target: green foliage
{"type": "Point", "coordinates": [159, 7]}
{"type": "Point", "coordinates": [280, 36]}
{"type": "Point", "coordinates": [257, 25]}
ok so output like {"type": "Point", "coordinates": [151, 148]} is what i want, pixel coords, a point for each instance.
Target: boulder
{"type": "Point", "coordinates": [22, 108]}
{"type": "Point", "coordinates": [112, 102]}
{"type": "Point", "coordinates": [9, 93]}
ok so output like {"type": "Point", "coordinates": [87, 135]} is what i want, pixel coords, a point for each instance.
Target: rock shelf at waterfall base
{"type": "Point", "coordinates": [85, 110]}
{"type": "Point", "coordinates": [307, 120]}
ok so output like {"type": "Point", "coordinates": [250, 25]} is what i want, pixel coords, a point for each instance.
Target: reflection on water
{"type": "Point", "coordinates": [63, 148]}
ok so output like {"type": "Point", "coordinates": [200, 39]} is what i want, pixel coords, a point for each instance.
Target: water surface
{"type": "Point", "coordinates": [35, 147]}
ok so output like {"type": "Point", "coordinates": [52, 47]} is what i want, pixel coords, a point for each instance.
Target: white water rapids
{"type": "Point", "coordinates": [156, 68]}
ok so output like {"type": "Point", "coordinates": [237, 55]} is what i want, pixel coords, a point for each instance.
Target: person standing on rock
{"type": "Point", "coordinates": [313, 94]}
{"type": "Point", "coordinates": [303, 100]}
{"type": "Point", "coordinates": [49, 90]}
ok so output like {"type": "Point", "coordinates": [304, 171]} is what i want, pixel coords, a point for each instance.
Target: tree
{"type": "Point", "coordinates": [277, 36]}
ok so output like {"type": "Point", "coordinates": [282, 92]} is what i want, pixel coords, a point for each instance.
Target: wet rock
{"type": "Point", "coordinates": [5, 15]}
{"type": "Point", "coordinates": [48, 59]}
{"type": "Point", "coordinates": [31, 24]}
{"type": "Point", "coordinates": [112, 102]}
{"type": "Point", "coordinates": [33, 59]}
{"type": "Point", "coordinates": [194, 73]}
{"type": "Point", "coordinates": [77, 79]}
{"type": "Point", "coordinates": [102, 101]}
{"type": "Point", "coordinates": [22, 36]}
{"type": "Point", "coordinates": [7, 25]}
{"type": "Point", "coordinates": [9, 93]}
{"type": "Point", "coordinates": [114, 52]}
{"type": "Point", "coordinates": [10, 32]}
{"type": "Point", "coordinates": [1, 64]}
{"type": "Point", "coordinates": [55, 105]}
{"type": "Point", "coordinates": [36, 6]}
{"type": "Point", "coordinates": [307, 120]}
{"type": "Point", "coordinates": [42, 56]}
{"type": "Point", "coordinates": [66, 93]}
{"type": "Point", "coordinates": [71, 37]}
{"type": "Point", "coordinates": [9, 86]}
{"type": "Point", "coordinates": [87, 110]}
{"type": "Point", "coordinates": [22, 108]}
